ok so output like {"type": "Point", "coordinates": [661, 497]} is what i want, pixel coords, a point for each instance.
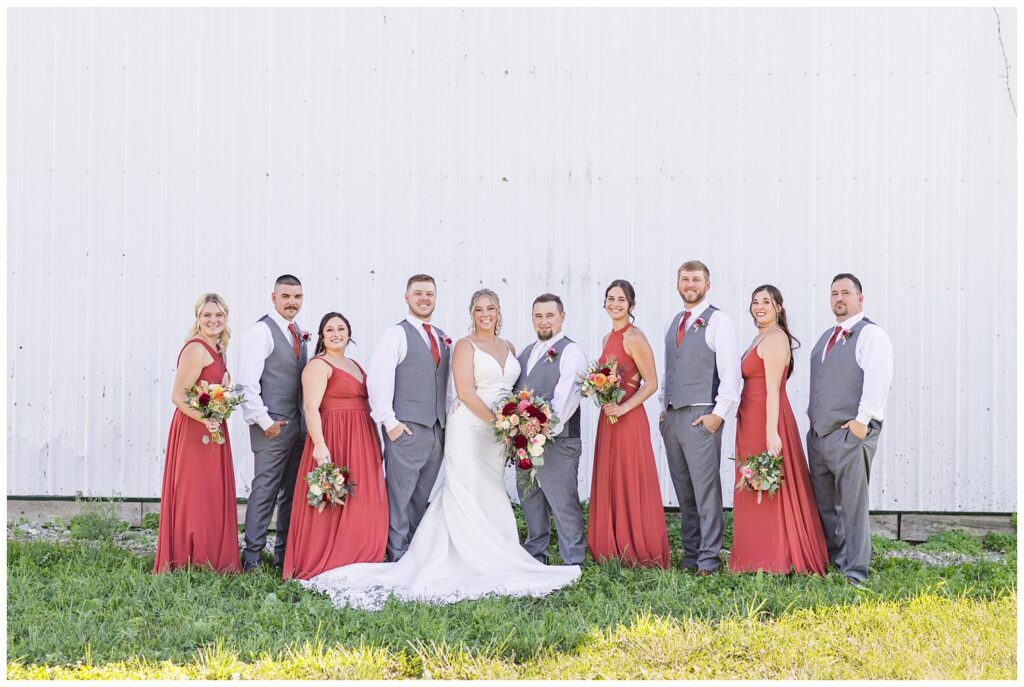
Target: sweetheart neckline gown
{"type": "Point", "coordinates": [358, 531]}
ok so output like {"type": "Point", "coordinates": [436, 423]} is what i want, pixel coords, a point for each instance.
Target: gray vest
{"type": "Point", "coordinates": [421, 388]}
{"type": "Point", "coordinates": [281, 381]}
{"type": "Point", "coordinates": [691, 371]}
{"type": "Point", "coordinates": [543, 379]}
{"type": "Point", "coordinates": [837, 383]}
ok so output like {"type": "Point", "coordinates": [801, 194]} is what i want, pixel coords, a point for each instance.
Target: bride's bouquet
{"type": "Point", "coordinates": [328, 484]}
{"type": "Point", "coordinates": [214, 401]}
{"type": "Point", "coordinates": [523, 425]}
{"type": "Point", "coordinates": [761, 473]}
{"type": "Point", "coordinates": [601, 383]}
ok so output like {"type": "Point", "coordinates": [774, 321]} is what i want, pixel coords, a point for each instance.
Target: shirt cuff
{"type": "Point", "coordinates": [390, 423]}
{"type": "Point", "coordinates": [264, 421]}
{"type": "Point", "coordinates": [864, 418]}
{"type": "Point", "coordinates": [721, 410]}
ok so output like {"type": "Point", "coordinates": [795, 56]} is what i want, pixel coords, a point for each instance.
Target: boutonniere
{"type": "Point", "coordinates": [447, 342]}
{"type": "Point", "coordinates": [845, 335]}
{"type": "Point", "coordinates": [700, 323]}
{"type": "Point", "coordinates": [551, 355]}
{"type": "Point", "coordinates": [305, 337]}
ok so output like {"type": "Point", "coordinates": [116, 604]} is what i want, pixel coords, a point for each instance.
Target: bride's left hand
{"type": "Point", "coordinates": [614, 410]}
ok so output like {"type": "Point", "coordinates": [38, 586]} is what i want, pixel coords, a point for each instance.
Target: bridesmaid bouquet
{"type": "Point", "coordinates": [328, 484]}
{"type": "Point", "coordinates": [523, 425]}
{"type": "Point", "coordinates": [601, 383]}
{"type": "Point", "coordinates": [761, 473]}
{"type": "Point", "coordinates": [214, 401]}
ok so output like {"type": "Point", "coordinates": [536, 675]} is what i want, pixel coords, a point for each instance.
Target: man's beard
{"type": "Point", "coordinates": [695, 301]}
{"type": "Point", "coordinates": [544, 336]}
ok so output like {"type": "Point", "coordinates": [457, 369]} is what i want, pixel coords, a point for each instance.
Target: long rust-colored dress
{"type": "Point", "coordinates": [784, 530]}
{"type": "Point", "coordinates": [358, 531]}
{"type": "Point", "coordinates": [627, 517]}
{"type": "Point", "coordinates": [198, 515]}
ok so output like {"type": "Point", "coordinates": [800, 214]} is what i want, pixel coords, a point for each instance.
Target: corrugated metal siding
{"type": "Point", "coordinates": [156, 154]}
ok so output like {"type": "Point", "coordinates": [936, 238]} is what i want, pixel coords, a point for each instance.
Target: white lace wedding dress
{"type": "Point", "coordinates": [467, 545]}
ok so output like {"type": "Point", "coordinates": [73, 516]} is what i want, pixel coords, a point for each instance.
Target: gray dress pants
{"type": "Point", "coordinates": [273, 484]}
{"type": "Point", "coordinates": [839, 464]}
{"type": "Point", "coordinates": [694, 456]}
{"type": "Point", "coordinates": [411, 464]}
{"type": "Point", "coordinates": [556, 493]}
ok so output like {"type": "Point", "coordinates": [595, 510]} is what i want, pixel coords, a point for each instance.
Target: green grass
{"type": "Point", "coordinates": [97, 520]}
{"type": "Point", "coordinates": [150, 521]}
{"type": "Point", "coordinates": [95, 603]}
{"type": "Point", "coordinates": [928, 637]}
{"type": "Point", "coordinates": [956, 541]}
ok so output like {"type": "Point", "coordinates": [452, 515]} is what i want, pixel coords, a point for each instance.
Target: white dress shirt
{"type": "Point", "coordinates": [720, 336]}
{"type": "Point", "coordinates": [874, 355]}
{"type": "Point", "coordinates": [256, 346]}
{"type": "Point", "coordinates": [572, 362]}
{"type": "Point", "coordinates": [380, 378]}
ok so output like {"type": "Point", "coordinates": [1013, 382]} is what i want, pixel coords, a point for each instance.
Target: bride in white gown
{"type": "Point", "coordinates": [467, 545]}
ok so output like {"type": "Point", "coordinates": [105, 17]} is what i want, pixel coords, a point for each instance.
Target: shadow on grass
{"type": "Point", "coordinates": [96, 600]}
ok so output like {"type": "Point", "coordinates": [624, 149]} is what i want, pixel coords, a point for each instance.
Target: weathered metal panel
{"type": "Point", "coordinates": [156, 154]}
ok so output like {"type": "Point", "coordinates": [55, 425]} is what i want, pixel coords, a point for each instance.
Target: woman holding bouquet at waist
{"type": "Point", "coordinates": [783, 531]}
{"type": "Point", "coordinates": [337, 412]}
{"type": "Point", "coordinates": [198, 517]}
{"type": "Point", "coordinates": [627, 519]}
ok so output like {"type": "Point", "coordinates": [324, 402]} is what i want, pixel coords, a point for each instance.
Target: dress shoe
{"type": "Point", "coordinates": [706, 573]}
{"type": "Point", "coordinates": [853, 581]}
{"type": "Point", "coordinates": [692, 569]}
{"type": "Point", "coordinates": [249, 566]}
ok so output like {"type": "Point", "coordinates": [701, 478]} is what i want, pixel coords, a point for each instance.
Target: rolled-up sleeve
{"type": "Point", "coordinates": [875, 356]}
{"type": "Point", "coordinates": [256, 346]}
{"type": "Point", "coordinates": [381, 378]}
{"type": "Point", "coordinates": [566, 398]}
{"type": "Point", "coordinates": [727, 358]}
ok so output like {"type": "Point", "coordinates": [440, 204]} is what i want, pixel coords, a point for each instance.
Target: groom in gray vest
{"type": "Point", "coordinates": [551, 366]}
{"type": "Point", "coordinates": [700, 386]}
{"type": "Point", "coordinates": [408, 387]}
{"type": "Point", "coordinates": [272, 355]}
{"type": "Point", "coordinates": [851, 368]}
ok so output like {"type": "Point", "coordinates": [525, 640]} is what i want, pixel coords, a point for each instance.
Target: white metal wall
{"type": "Point", "coordinates": [156, 154]}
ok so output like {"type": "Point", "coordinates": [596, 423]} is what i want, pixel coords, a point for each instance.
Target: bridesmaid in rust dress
{"type": "Point", "coordinates": [340, 431]}
{"type": "Point", "coordinates": [198, 516]}
{"type": "Point", "coordinates": [783, 532]}
{"type": "Point", "coordinates": [627, 519]}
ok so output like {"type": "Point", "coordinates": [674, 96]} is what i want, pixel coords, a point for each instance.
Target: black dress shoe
{"type": "Point", "coordinates": [853, 581]}
{"type": "Point", "coordinates": [249, 566]}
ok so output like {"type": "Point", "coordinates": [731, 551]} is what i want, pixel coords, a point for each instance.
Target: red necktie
{"type": "Point", "coordinates": [294, 329]}
{"type": "Point", "coordinates": [682, 328]}
{"type": "Point", "coordinates": [434, 350]}
{"type": "Point", "coordinates": [832, 341]}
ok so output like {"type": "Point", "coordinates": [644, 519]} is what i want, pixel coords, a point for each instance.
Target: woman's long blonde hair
{"type": "Point", "coordinates": [472, 303]}
{"type": "Point", "coordinates": [225, 336]}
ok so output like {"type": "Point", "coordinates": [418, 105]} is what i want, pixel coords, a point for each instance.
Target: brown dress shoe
{"type": "Point", "coordinates": [705, 573]}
